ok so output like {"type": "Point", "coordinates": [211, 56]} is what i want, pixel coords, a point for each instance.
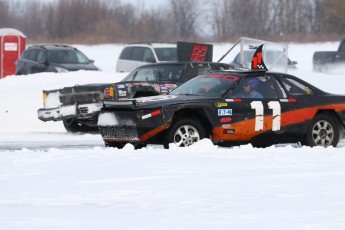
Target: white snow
{"type": "Point", "coordinates": [50, 179]}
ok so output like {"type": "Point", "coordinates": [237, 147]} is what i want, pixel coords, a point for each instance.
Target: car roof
{"type": "Point", "coordinates": [52, 47]}
{"type": "Point", "coordinates": [154, 45]}
{"type": "Point", "coordinates": [183, 63]}
{"type": "Point", "coordinates": [243, 72]}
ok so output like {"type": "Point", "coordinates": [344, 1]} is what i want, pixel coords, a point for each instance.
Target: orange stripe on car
{"type": "Point", "coordinates": [244, 130]}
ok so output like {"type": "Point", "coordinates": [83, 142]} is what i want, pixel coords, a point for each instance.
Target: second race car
{"type": "Point", "coordinates": [78, 106]}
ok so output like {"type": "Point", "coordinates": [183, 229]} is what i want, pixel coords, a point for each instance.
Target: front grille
{"type": "Point", "coordinates": [87, 97]}
{"type": "Point", "coordinates": [83, 110]}
{"type": "Point", "coordinates": [119, 134]}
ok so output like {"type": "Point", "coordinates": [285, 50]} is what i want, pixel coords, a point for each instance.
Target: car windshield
{"type": "Point", "coordinates": [156, 73]}
{"type": "Point", "coordinates": [166, 54]}
{"type": "Point", "coordinates": [65, 56]}
{"type": "Point", "coordinates": [213, 85]}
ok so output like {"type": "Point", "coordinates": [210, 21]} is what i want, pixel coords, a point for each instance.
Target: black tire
{"type": "Point", "coordinates": [73, 126]}
{"type": "Point", "coordinates": [323, 131]}
{"type": "Point", "coordinates": [139, 145]}
{"type": "Point", "coordinates": [118, 145]}
{"type": "Point", "coordinates": [185, 132]}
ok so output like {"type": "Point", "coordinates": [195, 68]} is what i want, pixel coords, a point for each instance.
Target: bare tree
{"type": "Point", "coordinates": [4, 14]}
{"type": "Point", "coordinates": [184, 13]}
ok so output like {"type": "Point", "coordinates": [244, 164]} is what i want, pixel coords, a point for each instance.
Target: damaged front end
{"type": "Point", "coordinates": [125, 122]}
{"type": "Point", "coordinates": [78, 102]}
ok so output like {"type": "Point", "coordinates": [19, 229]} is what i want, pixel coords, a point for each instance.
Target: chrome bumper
{"type": "Point", "coordinates": [70, 111]}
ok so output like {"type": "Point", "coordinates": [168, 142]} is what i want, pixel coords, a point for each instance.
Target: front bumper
{"type": "Point", "coordinates": [76, 111]}
{"type": "Point", "coordinates": [133, 126]}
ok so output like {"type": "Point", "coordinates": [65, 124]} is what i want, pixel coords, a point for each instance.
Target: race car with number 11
{"type": "Point", "coordinates": [229, 107]}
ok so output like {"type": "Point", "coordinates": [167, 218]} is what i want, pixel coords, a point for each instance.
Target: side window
{"type": "Point", "coordinates": [148, 56]}
{"type": "Point", "coordinates": [41, 57]}
{"type": "Point", "coordinates": [145, 75]}
{"type": "Point", "coordinates": [138, 53]}
{"type": "Point", "coordinates": [33, 55]}
{"type": "Point", "coordinates": [126, 53]}
{"type": "Point", "coordinates": [195, 69]}
{"type": "Point", "coordinates": [295, 88]}
{"type": "Point", "coordinates": [257, 87]}
{"type": "Point", "coordinates": [26, 54]}
{"type": "Point", "coordinates": [172, 72]}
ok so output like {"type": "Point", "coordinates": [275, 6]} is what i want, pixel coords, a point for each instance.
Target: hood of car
{"type": "Point", "coordinates": [170, 100]}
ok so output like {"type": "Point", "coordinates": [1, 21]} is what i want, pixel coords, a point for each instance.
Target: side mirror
{"type": "Point", "coordinates": [92, 61]}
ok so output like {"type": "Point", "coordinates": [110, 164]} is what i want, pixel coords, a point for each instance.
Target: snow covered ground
{"type": "Point", "coordinates": [50, 179]}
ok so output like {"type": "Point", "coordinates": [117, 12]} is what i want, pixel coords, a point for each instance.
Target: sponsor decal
{"type": "Point", "coordinates": [121, 86]}
{"type": "Point", "coordinates": [224, 112]}
{"type": "Point", "coordinates": [164, 91]}
{"type": "Point", "coordinates": [308, 90]}
{"type": "Point", "coordinates": [122, 93]}
{"type": "Point", "coordinates": [221, 104]}
{"type": "Point", "coordinates": [288, 100]}
{"type": "Point", "coordinates": [152, 114]}
{"type": "Point", "coordinates": [225, 120]}
{"type": "Point", "coordinates": [108, 92]}
{"type": "Point", "coordinates": [226, 126]}
{"type": "Point", "coordinates": [145, 84]}
{"type": "Point", "coordinates": [156, 87]}
{"type": "Point", "coordinates": [164, 88]}
{"type": "Point", "coordinates": [234, 100]}
{"type": "Point", "coordinates": [229, 131]}
{"type": "Point", "coordinates": [129, 84]}
{"type": "Point", "coordinates": [170, 85]}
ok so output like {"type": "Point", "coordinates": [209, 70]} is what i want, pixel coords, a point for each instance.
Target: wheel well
{"type": "Point", "coordinates": [196, 114]}
{"type": "Point", "coordinates": [333, 114]}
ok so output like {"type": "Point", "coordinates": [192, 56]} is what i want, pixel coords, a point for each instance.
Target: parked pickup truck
{"type": "Point", "coordinates": [324, 60]}
{"type": "Point", "coordinates": [78, 106]}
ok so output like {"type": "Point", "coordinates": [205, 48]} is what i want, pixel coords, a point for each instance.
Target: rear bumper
{"type": "Point", "coordinates": [81, 111]}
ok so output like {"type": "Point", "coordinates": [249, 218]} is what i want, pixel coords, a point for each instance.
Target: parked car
{"type": "Point", "coordinates": [324, 60]}
{"type": "Point", "coordinates": [52, 58]}
{"type": "Point", "coordinates": [230, 107]}
{"type": "Point", "coordinates": [78, 106]}
{"type": "Point", "coordinates": [135, 55]}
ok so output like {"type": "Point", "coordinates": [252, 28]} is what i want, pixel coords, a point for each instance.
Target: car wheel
{"type": "Point", "coordinates": [323, 131]}
{"type": "Point", "coordinates": [185, 132]}
{"type": "Point", "coordinates": [118, 145]}
{"type": "Point", "coordinates": [73, 126]}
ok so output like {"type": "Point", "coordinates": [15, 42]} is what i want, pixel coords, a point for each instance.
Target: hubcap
{"type": "Point", "coordinates": [323, 133]}
{"type": "Point", "coordinates": [186, 135]}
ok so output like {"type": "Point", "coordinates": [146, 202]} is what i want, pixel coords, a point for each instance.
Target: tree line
{"type": "Point", "coordinates": [103, 21]}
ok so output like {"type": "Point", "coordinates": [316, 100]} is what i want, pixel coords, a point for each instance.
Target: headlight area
{"type": "Point", "coordinates": [51, 99]}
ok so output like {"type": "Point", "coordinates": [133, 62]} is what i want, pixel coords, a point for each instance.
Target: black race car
{"type": "Point", "coordinates": [78, 106]}
{"type": "Point", "coordinates": [229, 107]}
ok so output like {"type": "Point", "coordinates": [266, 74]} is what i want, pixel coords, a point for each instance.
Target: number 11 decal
{"type": "Point", "coordinates": [259, 114]}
